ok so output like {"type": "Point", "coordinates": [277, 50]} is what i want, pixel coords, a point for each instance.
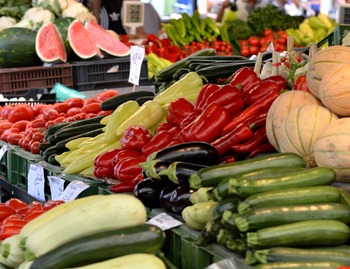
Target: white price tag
{"type": "Point", "coordinates": [164, 221]}
{"type": "Point", "coordinates": [137, 53]}
{"type": "Point", "coordinates": [36, 182]}
{"type": "Point", "coordinates": [73, 190]}
{"type": "Point", "coordinates": [3, 151]}
{"type": "Point", "coordinates": [56, 186]}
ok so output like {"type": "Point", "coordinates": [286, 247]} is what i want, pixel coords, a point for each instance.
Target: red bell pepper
{"type": "Point", "coordinates": [260, 91]}
{"type": "Point", "coordinates": [280, 80]}
{"type": "Point", "coordinates": [242, 76]}
{"type": "Point", "coordinates": [257, 139]}
{"type": "Point", "coordinates": [104, 172]}
{"type": "Point", "coordinates": [179, 110]}
{"type": "Point", "coordinates": [126, 186]}
{"type": "Point", "coordinates": [203, 95]}
{"type": "Point", "coordinates": [209, 124]}
{"type": "Point", "coordinates": [259, 107]}
{"type": "Point", "coordinates": [11, 225]}
{"type": "Point", "coordinates": [262, 148]}
{"type": "Point", "coordinates": [9, 231]}
{"type": "Point", "coordinates": [105, 159]}
{"type": "Point", "coordinates": [164, 126]}
{"type": "Point", "coordinates": [174, 132]}
{"type": "Point", "coordinates": [189, 119]}
{"type": "Point", "coordinates": [238, 135]}
{"type": "Point", "coordinates": [300, 84]}
{"type": "Point", "coordinates": [6, 211]}
{"type": "Point", "coordinates": [256, 121]}
{"type": "Point", "coordinates": [16, 203]}
{"type": "Point", "coordinates": [125, 154]}
{"type": "Point", "coordinates": [128, 169]}
{"type": "Point", "coordinates": [135, 137]}
{"type": "Point", "coordinates": [159, 141]}
{"type": "Point", "coordinates": [227, 96]}
{"type": "Point", "coordinates": [33, 215]}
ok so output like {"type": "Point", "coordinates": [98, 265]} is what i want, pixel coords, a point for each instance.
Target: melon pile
{"type": "Point", "coordinates": [86, 41]}
{"type": "Point", "coordinates": [316, 125]}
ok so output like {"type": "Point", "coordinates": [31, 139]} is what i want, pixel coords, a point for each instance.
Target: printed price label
{"type": "Point", "coordinates": [56, 186]}
{"type": "Point", "coordinates": [73, 190]}
{"type": "Point", "coordinates": [36, 182]}
{"type": "Point", "coordinates": [164, 221]}
{"type": "Point", "coordinates": [3, 151]}
{"type": "Point", "coordinates": [137, 53]}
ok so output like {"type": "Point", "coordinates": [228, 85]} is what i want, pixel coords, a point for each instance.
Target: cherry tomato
{"type": "Point", "coordinates": [34, 148]}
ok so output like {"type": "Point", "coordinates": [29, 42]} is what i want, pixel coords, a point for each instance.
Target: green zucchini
{"type": "Point", "coordinates": [284, 254]}
{"type": "Point", "coordinates": [115, 101]}
{"type": "Point", "coordinates": [53, 128]}
{"type": "Point", "coordinates": [50, 151]}
{"type": "Point", "coordinates": [222, 189]}
{"type": "Point", "coordinates": [96, 119]}
{"type": "Point", "coordinates": [218, 58]}
{"type": "Point", "coordinates": [100, 246]}
{"type": "Point", "coordinates": [166, 74]}
{"type": "Point", "coordinates": [72, 131]}
{"type": "Point", "coordinates": [61, 144]}
{"type": "Point", "coordinates": [308, 233]}
{"type": "Point", "coordinates": [269, 216]}
{"type": "Point", "coordinates": [230, 204]}
{"type": "Point", "coordinates": [209, 233]}
{"type": "Point", "coordinates": [315, 176]}
{"type": "Point", "coordinates": [211, 176]}
{"type": "Point", "coordinates": [295, 196]}
{"type": "Point", "coordinates": [44, 145]}
{"type": "Point", "coordinates": [299, 265]}
{"type": "Point", "coordinates": [52, 159]}
{"type": "Point", "coordinates": [143, 99]}
{"type": "Point", "coordinates": [180, 72]}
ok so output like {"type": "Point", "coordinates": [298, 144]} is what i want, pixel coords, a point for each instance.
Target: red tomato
{"type": "Point", "coordinates": [38, 108]}
{"type": "Point", "coordinates": [253, 40]}
{"type": "Point", "coordinates": [21, 112]}
{"type": "Point", "coordinates": [73, 111]}
{"type": "Point", "coordinates": [106, 94]}
{"type": "Point", "coordinates": [50, 114]}
{"type": "Point", "coordinates": [4, 126]}
{"type": "Point", "coordinates": [59, 119]}
{"type": "Point", "coordinates": [21, 125]}
{"type": "Point", "coordinates": [61, 107]}
{"type": "Point", "coordinates": [90, 115]}
{"type": "Point", "coordinates": [34, 147]}
{"type": "Point", "coordinates": [13, 138]}
{"type": "Point", "coordinates": [50, 122]}
{"type": "Point", "coordinates": [38, 123]}
{"type": "Point", "coordinates": [5, 111]}
{"type": "Point", "coordinates": [16, 203]}
{"type": "Point", "coordinates": [80, 116]}
{"type": "Point", "coordinates": [24, 142]}
{"type": "Point", "coordinates": [253, 50]}
{"type": "Point", "coordinates": [104, 113]}
{"type": "Point", "coordinates": [75, 102]}
{"type": "Point", "coordinates": [91, 101]}
{"type": "Point", "coordinates": [69, 119]}
{"type": "Point", "coordinates": [38, 136]}
{"type": "Point", "coordinates": [91, 108]}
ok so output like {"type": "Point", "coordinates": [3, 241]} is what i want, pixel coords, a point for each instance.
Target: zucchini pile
{"type": "Point", "coordinates": [57, 239]}
{"type": "Point", "coordinates": [274, 212]}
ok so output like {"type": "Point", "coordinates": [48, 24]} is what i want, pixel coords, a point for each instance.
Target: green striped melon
{"type": "Point", "coordinates": [279, 110]}
{"type": "Point", "coordinates": [17, 48]}
{"type": "Point", "coordinates": [332, 148]}
{"type": "Point", "coordinates": [49, 44]}
{"type": "Point", "coordinates": [300, 129]}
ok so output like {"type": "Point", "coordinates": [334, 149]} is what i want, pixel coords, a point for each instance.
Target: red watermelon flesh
{"type": "Point", "coordinates": [81, 41]}
{"type": "Point", "coordinates": [49, 45]}
{"type": "Point", "coordinates": [105, 41]}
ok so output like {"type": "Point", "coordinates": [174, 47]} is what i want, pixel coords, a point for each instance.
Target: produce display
{"type": "Point", "coordinates": [249, 153]}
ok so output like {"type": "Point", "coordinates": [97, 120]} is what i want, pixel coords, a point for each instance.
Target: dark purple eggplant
{"type": "Point", "coordinates": [152, 170]}
{"type": "Point", "coordinates": [180, 198]}
{"type": "Point", "coordinates": [147, 191]}
{"type": "Point", "coordinates": [192, 152]}
{"type": "Point", "coordinates": [180, 172]}
{"type": "Point", "coordinates": [165, 195]}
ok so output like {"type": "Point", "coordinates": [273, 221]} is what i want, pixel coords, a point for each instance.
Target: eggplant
{"type": "Point", "coordinates": [180, 172]}
{"type": "Point", "coordinates": [152, 170]}
{"type": "Point", "coordinates": [180, 198]}
{"type": "Point", "coordinates": [192, 152]}
{"type": "Point", "coordinates": [165, 195]}
{"type": "Point", "coordinates": [147, 191]}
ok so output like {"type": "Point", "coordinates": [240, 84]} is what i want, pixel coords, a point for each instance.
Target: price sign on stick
{"type": "Point", "coordinates": [164, 221]}
{"type": "Point", "coordinates": [36, 182]}
{"type": "Point", "coordinates": [3, 151]}
{"type": "Point", "coordinates": [137, 53]}
{"type": "Point", "coordinates": [56, 186]}
{"type": "Point", "coordinates": [73, 190]}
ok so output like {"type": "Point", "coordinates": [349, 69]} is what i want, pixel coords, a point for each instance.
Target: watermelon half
{"type": "Point", "coordinates": [49, 45]}
{"type": "Point", "coordinates": [106, 41]}
{"type": "Point", "coordinates": [82, 42]}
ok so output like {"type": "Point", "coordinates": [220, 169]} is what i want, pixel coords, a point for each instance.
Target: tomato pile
{"type": "Point", "coordinates": [255, 44]}
{"type": "Point", "coordinates": [25, 125]}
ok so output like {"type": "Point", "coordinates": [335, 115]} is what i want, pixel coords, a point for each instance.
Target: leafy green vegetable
{"type": "Point", "coordinates": [239, 29]}
{"type": "Point", "coordinates": [14, 8]}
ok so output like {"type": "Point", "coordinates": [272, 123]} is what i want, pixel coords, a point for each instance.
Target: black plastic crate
{"type": "Point", "coordinates": [105, 73]}
{"type": "Point", "coordinates": [31, 96]}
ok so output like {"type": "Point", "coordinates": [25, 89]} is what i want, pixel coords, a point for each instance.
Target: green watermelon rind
{"type": "Point", "coordinates": [75, 49]}
{"type": "Point", "coordinates": [17, 48]}
{"type": "Point", "coordinates": [90, 25]}
{"type": "Point", "coordinates": [46, 59]}
{"type": "Point", "coordinates": [62, 25]}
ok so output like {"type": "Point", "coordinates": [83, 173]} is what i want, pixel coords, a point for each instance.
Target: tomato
{"type": "Point", "coordinates": [104, 113]}
{"type": "Point", "coordinates": [5, 111]}
{"type": "Point", "coordinates": [21, 125]}
{"type": "Point", "coordinates": [107, 94]}
{"type": "Point", "coordinates": [38, 136]}
{"type": "Point", "coordinates": [38, 123]}
{"type": "Point", "coordinates": [91, 101]}
{"type": "Point", "coordinates": [245, 51]}
{"type": "Point", "coordinates": [69, 119]}
{"type": "Point", "coordinates": [253, 50]}
{"type": "Point", "coordinates": [4, 126]}
{"type": "Point", "coordinates": [91, 108]}
{"type": "Point", "coordinates": [38, 108]}
{"type": "Point", "coordinates": [34, 147]}
{"type": "Point", "coordinates": [90, 115]}
{"type": "Point", "coordinates": [48, 123]}
{"type": "Point", "coordinates": [59, 119]}
{"type": "Point", "coordinates": [50, 114]}
{"type": "Point", "coordinates": [253, 41]}
{"type": "Point", "coordinates": [24, 142]}
{"type": "Point", "coordinates": [16, 203]}
{"type": "Point", "coordinates": [21, 112]}
{"type": "Point", "coordinates": [80, 116]}
{"type": "Point", "coordinates": [73, 111]}
{"type": "Point", "coordinates": [61, 107]}
{"type": "Point", "coordinates": [75, 102]}
{"type": "Point", "coordinates": [13, 138]}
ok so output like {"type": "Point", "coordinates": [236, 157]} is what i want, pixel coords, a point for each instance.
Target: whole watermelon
{"type": "Point", "coordinates": [17, 48]}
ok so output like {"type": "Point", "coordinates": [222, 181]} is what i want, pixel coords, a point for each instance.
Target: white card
{"type": "Point", "coordinates": [36, 182]}
{"type": "Point", "coordinates": [56, 186]}
{"type": "Point", "coordinates": [73, 190]}
{"type": "Point", "coordinates": [3, 151]}
{"type": "Point", "coordinates": [164, 221]}
{"type": "Point", "coordinates": [137, 53]}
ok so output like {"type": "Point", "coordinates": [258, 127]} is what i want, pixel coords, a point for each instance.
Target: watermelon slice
{"type": "Point", "coordinates": [82, 42]}
{"type": "Point", "coordinates": [49, 45]}
{"type": "Point", "coordinates": [106, 41]}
